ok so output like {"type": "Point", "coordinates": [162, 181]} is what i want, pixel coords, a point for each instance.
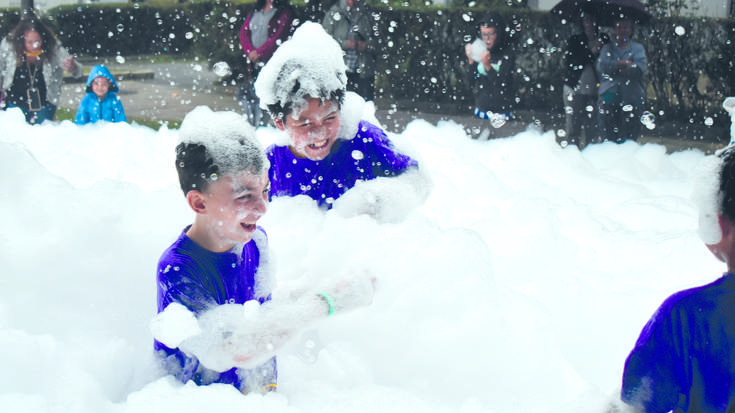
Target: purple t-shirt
{"type": "Point", "coordinates": [200, 279]}
{"type": "Point", "coordinates": [684, 359]}
{"type": "Point", "coordinates": [369, 155]}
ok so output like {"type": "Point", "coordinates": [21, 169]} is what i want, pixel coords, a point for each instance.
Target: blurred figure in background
{"type": "Point", "coordinates": [265, 28]}
{"type": "Point", "coordinates": [490, 73]}
{"type": "Point", "coordinates": [350, 23]}
{"type": "Point", "coordinates": [581, 81]}
{"type": "Point", "coordinates": [32, 66]}
{"type": "Point", "coordinates": [101, 101]}
{"type": "Point", "coordinates": [621, 65]}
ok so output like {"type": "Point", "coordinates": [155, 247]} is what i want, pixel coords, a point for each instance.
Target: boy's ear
{"type": "Point", "coordinates": [724, 249]}
{"type": "Point", "coordinates": [197, 201]}
{"type": "Point", "coordinates": [279, 123]}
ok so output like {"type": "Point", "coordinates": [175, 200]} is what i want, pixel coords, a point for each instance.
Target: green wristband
{"type": "Point", "coordinates": [329, 301]}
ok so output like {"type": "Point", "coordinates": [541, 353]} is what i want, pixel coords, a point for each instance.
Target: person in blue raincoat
{"type": "Point", "coordinates": [101, 101]}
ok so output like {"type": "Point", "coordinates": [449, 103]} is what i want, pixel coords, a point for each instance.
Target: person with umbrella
{"type": "Point", "coordinates": [581, 80]}
{"type": "Point", "coordinates": [621, 65]}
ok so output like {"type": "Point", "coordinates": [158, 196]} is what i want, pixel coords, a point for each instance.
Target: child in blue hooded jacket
{"type": "Point", "coordinates": [101, 102]}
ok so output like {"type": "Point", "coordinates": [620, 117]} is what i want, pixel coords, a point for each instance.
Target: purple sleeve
{"type": "Point", "coordinates": [654, 378]}
{"type": "Point", "coordinates": [385, 160]}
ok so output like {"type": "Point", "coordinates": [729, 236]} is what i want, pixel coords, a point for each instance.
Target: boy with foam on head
{"type": "Point", "coordinates": [101, 101]}
{"type": "Point", "coordinates": [684, 359]}
{"type": "Point", "coordinates": [217, 322]}
{"type": "Point", "coordinates": [328, 153]}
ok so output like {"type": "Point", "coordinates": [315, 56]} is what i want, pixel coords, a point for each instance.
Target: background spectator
{"type": "Point", "coordinates": [349, 22]}
{"type": "Point", "coordinates": [32, 65]}
{"type": "Point", "coordinates": [490, 71]}
{"type": "Point", "coordinates": [100, 102]}
{"type": "Point", "coordinates": [265, 28]}
{"type": "Point", "coordinates": [581, 81]}
{"type": "Point", "coordinates": [621, 65]}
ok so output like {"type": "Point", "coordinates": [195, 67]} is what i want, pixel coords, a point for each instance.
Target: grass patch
{"type": "Point", "coordinates": [69, 114]}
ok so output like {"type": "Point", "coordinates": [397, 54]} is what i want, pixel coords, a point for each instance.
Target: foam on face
{"type": "Point", "coordinates": [311, 62]}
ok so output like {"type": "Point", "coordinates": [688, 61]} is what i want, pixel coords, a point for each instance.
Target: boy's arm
{"type": "Point", "coordinates": [247, 335]}
{"type": "Point", "coordinates": [653, 374]}
{"type": "Point", "coordinates": [386, 199]}
{"type": "Point", "coordinates": [179, 282]}
{"type": "Point", "coordinates": [398, 186]}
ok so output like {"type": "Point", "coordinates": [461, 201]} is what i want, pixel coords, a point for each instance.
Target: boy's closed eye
{"type": "Point", "coordinates": [248, 193]}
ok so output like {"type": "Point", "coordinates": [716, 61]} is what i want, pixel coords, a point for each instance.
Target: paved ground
{"type": "Point", "coordinates": [167, 91]}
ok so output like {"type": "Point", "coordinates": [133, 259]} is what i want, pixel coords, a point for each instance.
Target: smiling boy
{"type": "Point", "coordinates": [220, 262]}
{"type": "Point", "coordinates": [331, 155]}
{"type": "Point", "coordinates": [101, 101]}
{"type": "Point", "coordinates": [217, 259]}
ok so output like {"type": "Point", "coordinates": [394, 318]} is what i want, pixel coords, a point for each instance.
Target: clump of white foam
{"type": "Point", "coordinates": [174, 325]}
{"type": "Point", "coordinates": [477, 48]}
{"type": "Point", "coordinates": [229, 138]}
{"type": "Point", "coordinates": [706, 195]}
{"type": "Point", "coordinates": [311, 63]}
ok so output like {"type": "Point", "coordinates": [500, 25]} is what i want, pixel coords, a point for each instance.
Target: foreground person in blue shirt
{"type": "Point", "coordinates": [684, 359]}
{"type": "Point", "coordinates": [101, 101]}
{"type": "Point", "coordinates": [220, 262]}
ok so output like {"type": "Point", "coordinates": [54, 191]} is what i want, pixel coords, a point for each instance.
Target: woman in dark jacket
{"type": "Point", "coordinates": [580, 83]}
{"type": "Point", "coordinates": [32, 66]}
{"type": "Point", "coordinates": [490, 71]}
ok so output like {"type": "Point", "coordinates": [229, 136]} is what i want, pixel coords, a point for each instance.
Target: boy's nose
{"type": "Point", "coordinates": [261, 205]}
{"type": "Point", "coordinates": [317, 132]}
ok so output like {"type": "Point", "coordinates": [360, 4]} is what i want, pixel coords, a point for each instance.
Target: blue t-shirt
{"type": "Point", "coordinates": [369, 155]}
{"type": "Point", "coordinates": [200, 279]}
{"type": "Point", "coordinates": [684, 359]}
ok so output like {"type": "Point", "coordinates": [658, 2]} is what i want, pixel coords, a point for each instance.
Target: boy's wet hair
{"type": "Point", "coordinates": [198, 168]}
{"type": "Point", "coordinates": [298, 95]}
{"type": "Point", "coordinates": [727, 183]}
{"type": "Point", "coordinates": [309, 65]}
{"type": "Point", "coordinates": [194, 165]}
{"type": "Point", "coordinates": [215, 144]}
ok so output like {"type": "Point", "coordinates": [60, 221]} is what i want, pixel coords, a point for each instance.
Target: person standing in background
{"type": "Point", "coordinates": [621, 66]}
{"type": "Point", "coordinates": [348, 21]}
{"type": "Point", "coordinates": [265, 28]}
{"type": "Point", "coordinates": [32, 66]}
{"type": "Point", "coordinates": [101, 101]}
{"type": "Point", "coordinates": [491, 63]}
{"type": "Point", "coordinates": [581, 81]}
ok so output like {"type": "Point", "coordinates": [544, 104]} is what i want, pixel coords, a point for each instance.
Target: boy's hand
{"type": "Point", "coordinates": [353, 291]}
